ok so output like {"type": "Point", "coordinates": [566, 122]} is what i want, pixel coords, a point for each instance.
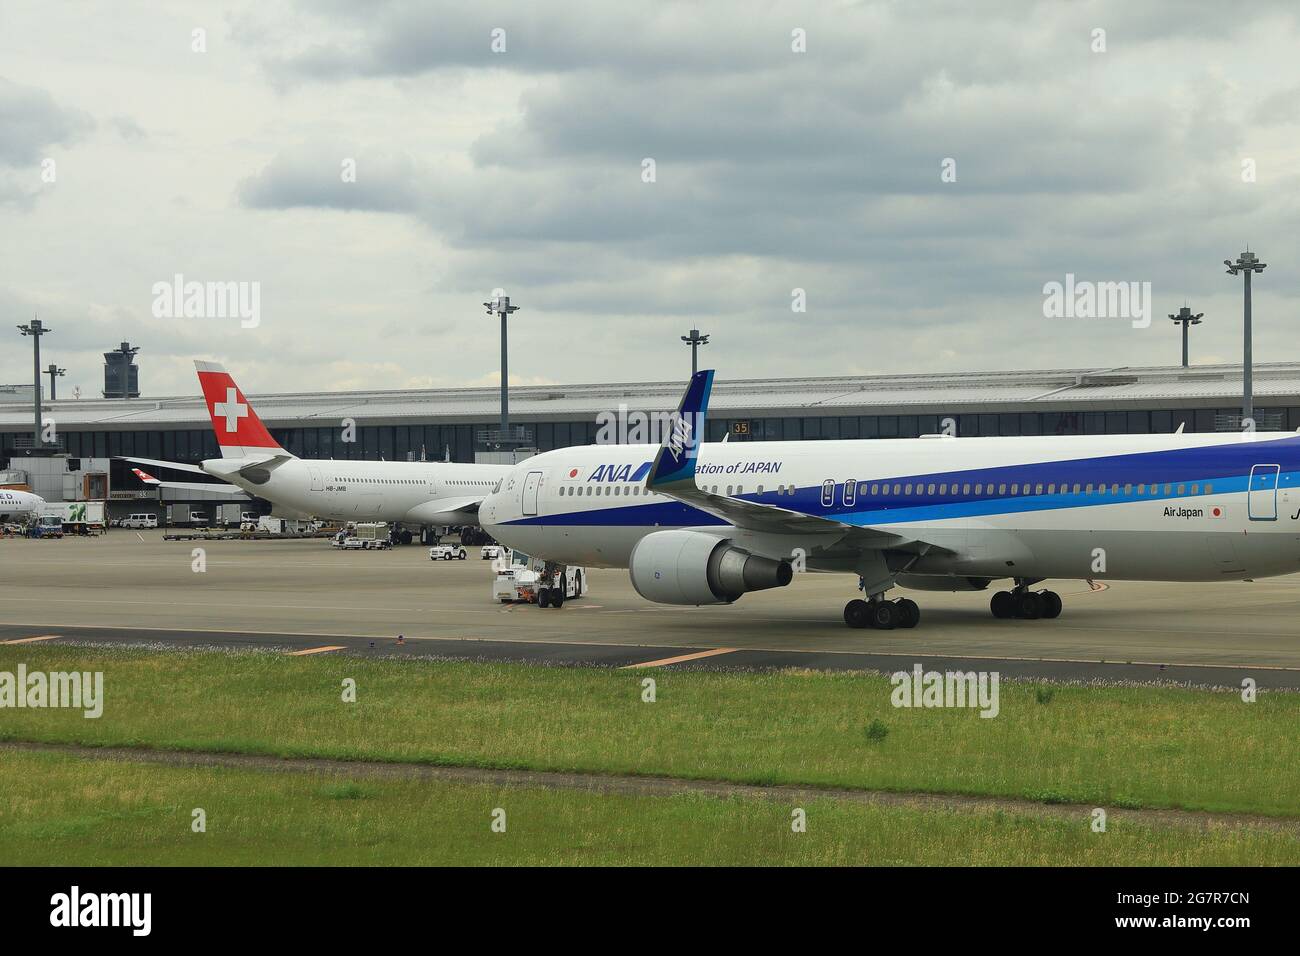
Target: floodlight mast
{"type": "Point", "coordinates": [1185, 318]}
{"type": "Point", "coordinates": [35, 330]}
{"type": "Point", "coordinates": [501, 306]}
{"type": "Point", "coordinates": [695, 340]}
{"type": "Point", "coordinates": [1247, 264]}
{"type": "Point", "coordinates": [54, 372]}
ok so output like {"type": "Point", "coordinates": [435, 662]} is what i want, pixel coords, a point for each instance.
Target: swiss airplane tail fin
{"type": "Point", "coordinates": [240, 433]}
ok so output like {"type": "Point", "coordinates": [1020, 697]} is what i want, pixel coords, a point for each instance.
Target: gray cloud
{"type": "Point", "coordinates": [30, 121]}
{"type": "Point", "coordinates": [775, 170]}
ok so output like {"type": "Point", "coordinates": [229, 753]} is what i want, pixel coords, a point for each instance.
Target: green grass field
{"type": "Point", "coordinates": [74, 811]}
{"type": "Point", "coordinates": [1126, 747]}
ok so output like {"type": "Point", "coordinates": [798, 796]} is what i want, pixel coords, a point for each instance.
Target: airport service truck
{"type": "Point", "coordinates": [519, 577]}
{"type": "Point", "coordinates": [77, 517]}
{"type": "Point", "coordinates": [46, 526]}
{"type": "Point", "coordinates": [231, 514]}
{"type": "Point", "coordinates": [178, 515]}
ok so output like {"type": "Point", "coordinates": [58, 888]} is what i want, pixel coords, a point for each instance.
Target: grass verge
{"type": "Point", "coordinates": [1128, 747]}
{"type": "Point", "coordinates": [64, 810]}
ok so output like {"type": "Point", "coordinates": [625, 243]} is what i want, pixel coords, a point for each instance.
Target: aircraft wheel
{"type": "Point", "coordinates": [910, 612]}
{"type": "Point", "coordinates": [857, 613]}
{"type": "Point", "coordinates": [1029, 605]}
{"type": "Point", "coordinates": [1051, 604]}
{"type": "Point", "coordinates": [885, 615]}
{"type": "Point", "coordinates": [1003, 605]}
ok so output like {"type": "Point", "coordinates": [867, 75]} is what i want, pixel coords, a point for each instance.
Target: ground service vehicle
{"type": "Point", "coordinates": [520, 577]}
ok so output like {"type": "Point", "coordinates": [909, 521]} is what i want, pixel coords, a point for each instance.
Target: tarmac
{"type": "Point", "coordinates": [129, 587]}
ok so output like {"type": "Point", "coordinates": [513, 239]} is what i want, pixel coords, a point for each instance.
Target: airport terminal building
{"type": "Point", "coordinates": [462, 423]}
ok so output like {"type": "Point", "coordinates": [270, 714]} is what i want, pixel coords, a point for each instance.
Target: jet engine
{"type": "Point", "coordinates": [691, 567]}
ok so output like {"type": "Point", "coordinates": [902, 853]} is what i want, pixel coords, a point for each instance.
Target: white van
{"type": "Point", "coordinates": [140, 521]}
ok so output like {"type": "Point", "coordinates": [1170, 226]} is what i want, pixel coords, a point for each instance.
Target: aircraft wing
{"type": "Point", "coordinates": [673, 474]}
{"type": "Point", "coordinates": [445, 510]}
{"type": "Point", "coordinates": [155, 463]}
{"type": "Point", "coordinates": [220, 486]}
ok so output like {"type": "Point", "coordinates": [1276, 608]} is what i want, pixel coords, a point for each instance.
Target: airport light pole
{"type": "Point", "coordinates": [501, 306]}
{"type": "Point", "coordinates": [54, 372]}
{"type": "Point", "coordinates": [1185, 318]}
{"type": "Point", "coordinates": [1247, 264]}
{"type": "Point", "coordinates": [35, 329]}
{"type": "Point", "coordinates": [695, 340]}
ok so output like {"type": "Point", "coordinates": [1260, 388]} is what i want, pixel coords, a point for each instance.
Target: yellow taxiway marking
{"type": "Point", "coordinates": [317, 650]}
{"type": "Point", "coordinates": [684, 657]}
{"type": "Point", "coordinates": [32, 640]}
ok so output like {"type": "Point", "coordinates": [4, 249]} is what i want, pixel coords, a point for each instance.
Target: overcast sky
{"type": "Point", "coordinates": [523, 168]}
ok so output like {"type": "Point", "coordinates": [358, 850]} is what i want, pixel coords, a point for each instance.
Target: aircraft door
{"type": "Point", "coordinates": [531, 484]}
{"type": "Point", "coordinates": [1262, 497]}
{"type": "Point", "coordinates": [314, 474]}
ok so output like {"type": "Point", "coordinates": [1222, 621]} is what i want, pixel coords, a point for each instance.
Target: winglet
{"type": "Point", "coordinates": [675, 462]}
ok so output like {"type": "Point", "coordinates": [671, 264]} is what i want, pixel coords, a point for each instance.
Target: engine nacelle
{"type": "Point", "coordinates": [690, 567]}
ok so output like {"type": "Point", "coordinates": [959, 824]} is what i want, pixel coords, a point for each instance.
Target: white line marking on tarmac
{"type": "Point", "coordinates": [33, 640]}
{"type": "Point", "coordinates": [317, 650]}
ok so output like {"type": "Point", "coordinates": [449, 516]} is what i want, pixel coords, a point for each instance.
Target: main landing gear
{"type": "Point", "coordinates": [1025, 604]}
{"type": "Point", "coordinates": [881, 614]}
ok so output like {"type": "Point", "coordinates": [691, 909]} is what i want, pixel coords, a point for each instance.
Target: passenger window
{"type": "Point", "coordinates": [1015, 488]}
{"type": "Point", "coordinates": [1038, 489]}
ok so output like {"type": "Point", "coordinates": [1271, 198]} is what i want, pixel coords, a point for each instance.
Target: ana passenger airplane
{"type": "Point", "coordinates": [14, 504]}
{"type": "Point", "coordinates": [416, 493]}
{"type": "Point", "coordinates": [705, 524]}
